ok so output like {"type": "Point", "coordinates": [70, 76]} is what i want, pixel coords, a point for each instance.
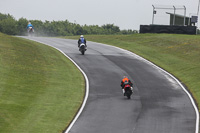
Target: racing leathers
{"type": "Point", "coordinates": [81, 40]}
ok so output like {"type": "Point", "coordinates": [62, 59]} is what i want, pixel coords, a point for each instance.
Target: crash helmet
{"type": "Point", "coordinates": [81, 36]}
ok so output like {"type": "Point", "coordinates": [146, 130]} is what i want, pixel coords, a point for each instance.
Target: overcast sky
{"type": "Point", "coordinates": [127, 14]}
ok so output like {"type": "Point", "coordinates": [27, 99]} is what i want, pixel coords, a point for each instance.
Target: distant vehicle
{"type": "Point", "coordinates": [82, 48]}
{"type": "Point", "coordinates": [127, 88]}
{"type": "Point", "coordinates": [30, 31]}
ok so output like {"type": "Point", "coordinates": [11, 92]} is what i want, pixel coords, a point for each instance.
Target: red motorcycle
{"type": "Point", "coordinates": [128, 91]}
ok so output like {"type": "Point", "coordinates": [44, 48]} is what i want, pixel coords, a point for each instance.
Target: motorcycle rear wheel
{"type": "Point", "coordinates": [128, 94]}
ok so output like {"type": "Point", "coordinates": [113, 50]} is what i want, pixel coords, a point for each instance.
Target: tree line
{"type": "Point", "coordinates": [9, 25]}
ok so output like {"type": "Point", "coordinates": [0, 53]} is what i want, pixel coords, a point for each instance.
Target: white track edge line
{"type": "Point", "coordinates": [86, 93]}
{"type": "Point", "coordinates": [87, 87]}
{"type": "Point", "coordinates": [189, 95]}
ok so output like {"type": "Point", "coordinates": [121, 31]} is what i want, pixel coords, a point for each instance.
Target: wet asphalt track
{"type": "Point", "coordinates": [158, 105]}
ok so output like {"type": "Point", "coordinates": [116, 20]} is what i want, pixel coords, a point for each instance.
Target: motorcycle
{"type": "Point", "coordinates": [82, 48]}
{"type": "Point", "coordinates": [30, 31]}
{"type": "Point", "coordinates": [128, 91]}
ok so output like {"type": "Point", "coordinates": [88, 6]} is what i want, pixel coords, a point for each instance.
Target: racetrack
{"type": "Point", "coordinates": [159, 104]}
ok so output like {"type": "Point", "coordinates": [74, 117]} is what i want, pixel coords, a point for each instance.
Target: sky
{"type": "Point", "coordinates": [127, 14]}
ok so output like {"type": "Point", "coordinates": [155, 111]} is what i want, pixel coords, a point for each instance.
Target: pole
{"type": "Point", "coordinates": [184, 15]}
{"type": "Point", "coordinates": [198, 13]}
{"type": "Point", "coordinates": [174, 15]}
{"type": "Point", "coordinates": [198, 9]}
{"type": "Point", "coordinates": [153, 15]}
{"type": "Point", "coordinates": [189, 20]}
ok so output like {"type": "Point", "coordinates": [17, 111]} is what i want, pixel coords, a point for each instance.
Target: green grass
{"type": "Point", "coordinates": [178, 54]}
{"type": "Point", "coordinates": [37, 90]}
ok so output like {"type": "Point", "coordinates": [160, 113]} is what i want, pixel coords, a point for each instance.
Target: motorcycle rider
{"type": "Point", "coordinates": [81, 40]}
{"type": "Point", "coordinates": [29, 26]}
{"type": "Point", "coordinates": [125, 81]}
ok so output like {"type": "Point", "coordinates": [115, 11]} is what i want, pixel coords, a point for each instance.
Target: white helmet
{"type": "Point", "coordinates": [81, 36]}
{"type": "Point", "coordinates": [29, 22]}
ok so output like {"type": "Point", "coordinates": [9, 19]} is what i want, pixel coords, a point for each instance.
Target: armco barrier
{"type": "Point", "coordinates": [168, 29]}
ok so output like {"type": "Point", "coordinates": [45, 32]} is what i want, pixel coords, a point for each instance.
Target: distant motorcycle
{"type": "Point", "coordinates": [30, 31]}
{"type": "Point", "coordinates": [82, 48]}
{"type": "Point", "coordinates": [128, 91]}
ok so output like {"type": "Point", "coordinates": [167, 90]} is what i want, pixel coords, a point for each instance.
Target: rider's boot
{"type": "Point", "coordinates": [123, 91]}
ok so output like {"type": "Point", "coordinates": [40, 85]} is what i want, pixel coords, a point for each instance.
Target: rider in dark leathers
{"type": "Point", "coordinates": [81, 40]}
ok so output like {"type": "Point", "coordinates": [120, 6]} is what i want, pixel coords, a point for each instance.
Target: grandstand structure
{"type": "Point", "coordinates": [170, 19]}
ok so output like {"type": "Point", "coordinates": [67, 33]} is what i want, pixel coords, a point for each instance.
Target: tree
{"type": "Point", "coordinates": [111, 29]}
{"type": "Point", "coordinates": [21, 26]}
{"type": "Point", "coordinates": [8, 24]}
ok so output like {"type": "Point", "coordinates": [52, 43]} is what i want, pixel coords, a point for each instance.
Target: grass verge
{"type": "Point", "coordinates": [178, 54]}
{"type": "Point", "coordinates": [36, 90]}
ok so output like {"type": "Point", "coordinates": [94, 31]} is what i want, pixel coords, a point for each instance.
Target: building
{"type": "Point", "coordinates": [176, 19]}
